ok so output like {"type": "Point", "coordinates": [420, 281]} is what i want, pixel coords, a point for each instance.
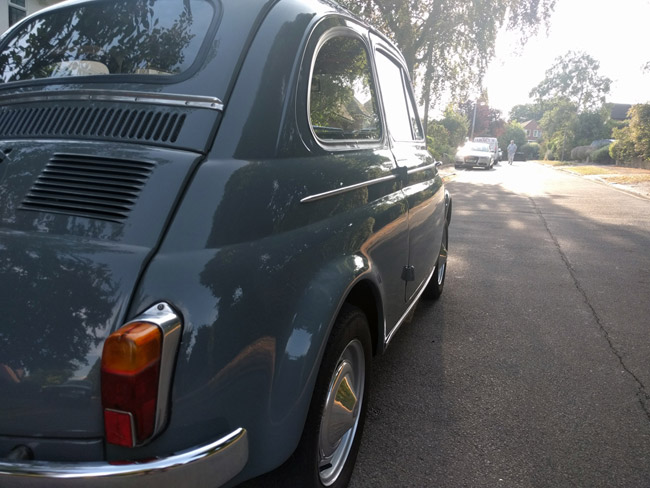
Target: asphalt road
{"type": "Point", "coordinates": [533, 369]}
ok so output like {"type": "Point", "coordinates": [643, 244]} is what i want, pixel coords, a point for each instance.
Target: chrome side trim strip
{"type": "Point", "coordinates": [345, 189]}
{"type": "Point", "coordinates": [193, 101]}
{"type": "Point", "coordinates": [212, 464]}
{"type": "Point", "coordinates": [400, 322]}
{"type": "Point", "coordinates": [422, 168]}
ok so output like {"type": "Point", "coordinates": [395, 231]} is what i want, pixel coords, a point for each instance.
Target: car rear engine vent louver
{"type": "Point", "coordinates": [88, 186]}
{"type": "Point", "coordinates": [155, 125]}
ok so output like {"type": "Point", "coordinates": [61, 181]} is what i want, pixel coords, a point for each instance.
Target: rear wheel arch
{"type": "Point", "coordinates": [365, 296]}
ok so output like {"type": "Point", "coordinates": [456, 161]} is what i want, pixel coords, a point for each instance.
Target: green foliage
{"type": "Point", "coordinates": [601, 156]}
{"type": "Point", "coordinates": [526, 112]}
{"type": "Point", "coordinates": [561, 116]}
{"type": "Point", "coordinates": [581, 153]}
{"type": "Point", "coordinates": [640, 129]}
{"type": "Point", "coordinates": [457, 126]}
{"type": "Point", "coordinates": [513, 132]}
{"type": "Point", "coordinates": [438, 141]}
{"type": "Point", "coordinates": [559, 128]}
{"type": "Point", "coordinates": [531, 150]}
{"type": "Point", "coordinates": [446, 135]}
{"type": "Point", "coordinates": [449, 43]}
{"type": "Point", "coordinates": [575, 77]}
{"type": "Point", "coordinates": [622, 149]}
{"type": "Point", "coordinates": [592, 126]}
{"type": "Point", "coordinates": [633, 142]}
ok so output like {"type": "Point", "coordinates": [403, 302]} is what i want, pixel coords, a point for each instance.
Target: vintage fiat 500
{"type": "Point", "coordinates": [212, 215]}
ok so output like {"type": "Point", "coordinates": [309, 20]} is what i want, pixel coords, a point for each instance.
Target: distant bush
{"type": "Point", "coordinates": [601, 156]}
{"type": "Point", "coordinates": [581, 153]}
{"type": "Point", "coordinates": [530, 150]}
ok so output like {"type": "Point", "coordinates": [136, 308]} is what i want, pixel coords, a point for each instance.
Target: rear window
{"type": "Point", "coordinates": [116, 37]}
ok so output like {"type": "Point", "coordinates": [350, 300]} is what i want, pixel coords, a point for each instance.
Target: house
{"type": "Point", "coordinates": [533, 131]}
{"type": "Point", "coordinates": [11, 11]}
{"type": "Point", "coordinates": [619, 111]}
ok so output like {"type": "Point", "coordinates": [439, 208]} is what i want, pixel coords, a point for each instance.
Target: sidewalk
{"type": "Point", "coordinates": [632, 180]}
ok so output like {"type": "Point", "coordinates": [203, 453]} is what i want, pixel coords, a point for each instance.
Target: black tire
{"type": "Point", "coordinates": [437, 283]}
{"type": "Point", "coordinates": [330, 441]}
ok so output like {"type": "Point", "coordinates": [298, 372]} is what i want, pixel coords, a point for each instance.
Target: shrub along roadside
{"type": "Point", "coordinates": [632, 144]}
{"type": "Point", "coordinates": [601, 156]}
{"type": "Point", "coordinates": [530, 150]}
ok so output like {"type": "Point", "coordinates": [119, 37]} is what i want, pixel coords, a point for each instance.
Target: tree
{"type": "Point", "coordinates": [446, 135]}
{"type": "Point", "coordinates": [513, 132]}
{"type": "Point", "coordinates": [559, 127]}
{"type": "Point", "coordinates": [527, 111]}
{"type": "Point", "coordinates": [456, 125]}
{"type": "Point", "coordinates": [448, 44]}
{"type": "Point", "coordinates": [438, 141]}
{"type": "Point", "coordinates": [575, 77]}
{"type": "Point", "coordinates": [486, 121]}
{"type": "Point", "coordinates": [592, 126]}
{"type": "Point", "coordinates": [633, 142]}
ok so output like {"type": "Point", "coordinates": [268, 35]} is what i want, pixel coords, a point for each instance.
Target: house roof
{"type": "Point", "coordinates": [532, 123]}
{"type": "Point", "coordinates": [619, 111]}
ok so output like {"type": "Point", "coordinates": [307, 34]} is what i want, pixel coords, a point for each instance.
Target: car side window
{"type": "Point", "coordinates": [342, 99]}
{"type": "Point", "coordinates": [401, 115]}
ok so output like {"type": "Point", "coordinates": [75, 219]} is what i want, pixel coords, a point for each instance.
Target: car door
{"type": "Point", "coordinates": [353, 149]}
{"type": "Point", "coordinates": [422, 184]}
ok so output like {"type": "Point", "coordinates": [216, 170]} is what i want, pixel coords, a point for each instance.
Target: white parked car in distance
{"type": "Point", "coordinates": [474, 154]}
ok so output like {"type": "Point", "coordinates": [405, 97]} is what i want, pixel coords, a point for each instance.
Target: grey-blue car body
{"type": "Point", "coordinates": [247, 179]}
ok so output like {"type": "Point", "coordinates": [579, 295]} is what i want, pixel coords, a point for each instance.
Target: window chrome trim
{"type": "Point", "coordinates": [345, 189]}
{"type": "Point", "coordinates": [192, 101]}
{"type": "Point", "coordinates": [345, 144]}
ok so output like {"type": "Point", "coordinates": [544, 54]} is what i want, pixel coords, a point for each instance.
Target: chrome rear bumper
{"type": "Point", "coordinates": [210, 465]}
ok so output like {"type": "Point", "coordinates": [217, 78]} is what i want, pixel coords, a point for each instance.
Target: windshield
{"type": "Point", "coordinates": [476, 146]}
{"type": "Point", "coordinates": [133, 37]}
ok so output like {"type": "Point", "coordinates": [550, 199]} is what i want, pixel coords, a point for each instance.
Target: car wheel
{"type": "Point", "coordinates": [328, 449]}
{"type": "Point", "coordinates": [436, 284]}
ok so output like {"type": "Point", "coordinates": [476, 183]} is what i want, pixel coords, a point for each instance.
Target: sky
{"type": "Point", "coordinates": [614, 32]}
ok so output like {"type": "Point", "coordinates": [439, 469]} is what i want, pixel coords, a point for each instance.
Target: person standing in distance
{"type": "Point", "coordinates": [512, 149]}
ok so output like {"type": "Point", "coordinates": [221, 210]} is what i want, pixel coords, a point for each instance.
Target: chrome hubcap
{"type": "Point", "coordinates": [442, 262]}
{"type": "Point", "coordinates": [341, 413]}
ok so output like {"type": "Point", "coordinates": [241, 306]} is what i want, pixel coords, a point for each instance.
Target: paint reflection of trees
{"type": "Point", "coordinates": [128, 37]}
{"type": "Point", "coordinates": [61, 301]}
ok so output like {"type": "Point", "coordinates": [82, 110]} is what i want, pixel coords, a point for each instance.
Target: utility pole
{"type": "Point", "coordinates": [471, 137]}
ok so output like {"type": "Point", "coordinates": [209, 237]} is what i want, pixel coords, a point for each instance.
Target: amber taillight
{"type": "Point", "coordinates": [136, 377]}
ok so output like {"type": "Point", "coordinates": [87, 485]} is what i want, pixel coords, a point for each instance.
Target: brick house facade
{"type": "Point", "coordinates": [533, 130]}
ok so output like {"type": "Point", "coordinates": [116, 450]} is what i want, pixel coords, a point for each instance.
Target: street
{"type": "Point", "coordinates": [533, 369]}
